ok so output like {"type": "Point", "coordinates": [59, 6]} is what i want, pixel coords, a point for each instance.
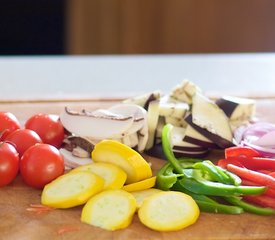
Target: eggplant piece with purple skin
{"type": "Point", "coordinates": [179, 144]}
{"type": "Point", "coordinates": [220, 141]}
{"type": "Point", "coordinates": [195, 137]}
{"type": "Point", "coordinates": [237, 108]}
{"type": "Point", "coordinates": [209, 120]}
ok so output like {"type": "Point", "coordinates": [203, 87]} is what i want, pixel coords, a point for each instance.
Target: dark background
{"type": "Point", "coordinates": [32, 27]}
{"type": "Point", "coordinates": [46, 27]}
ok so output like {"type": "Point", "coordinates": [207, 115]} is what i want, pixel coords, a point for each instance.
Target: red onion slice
{"type": "Point", "coordinates": [264, 151]}
{"type": "Point", "coordinates": [267, 140]}
{"type": "Point", "coordinates": [260, 136]}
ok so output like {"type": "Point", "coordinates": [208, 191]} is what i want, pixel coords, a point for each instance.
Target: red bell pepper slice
{"type": "Point", "coordinates": [264, 201]}
{"type": "Point", "coordinates": [224, 162]}
{"type": "Point", "coordinates": [256, 163]}
{"type": "Point", "coordinates": [253, 176]}
{"type": "Point", "coordinates": [241, 152]}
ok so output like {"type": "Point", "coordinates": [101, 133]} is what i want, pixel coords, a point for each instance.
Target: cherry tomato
{"type": "Point", "coordinates": [40, 164]}
{"type": "Point", "coordinates": [23, 139]}
{"type": "Point", "coordinates": [48, 127]}
{"type": "Point", "coordinates": [9, 163]}
{"type": "Point", "coordinates": [8, 124]}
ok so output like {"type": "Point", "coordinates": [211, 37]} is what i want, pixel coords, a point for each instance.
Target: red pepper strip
{"type": "Point", "coordinates": [265, 171]}
{"type": "Point", "coordinates": [253, 176]}
{"type": "Point", "coordinates": [269, 191]}
{"type": "Point", "coordinates": [264, 201]}
{"type": "Point", "coordinates": [272, 174]}
{"type": "Point", "coordinates": [223, 163]}
{"type": "Point", "coordinates": [257, 163]}
{"type": "Point", "coordinates": [241, 151]}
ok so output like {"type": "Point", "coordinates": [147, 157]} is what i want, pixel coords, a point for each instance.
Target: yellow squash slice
{"type": "Point", "coordinates": [110, 210]}
{"type": "Point", "coordinates": [129, 160]}
{"type": "Point", "coordinates": [141, 185]}
{"type": "Point", "coordinates": [140, 196]}
{"type": "Point", "coordinates": [71, 189]}
{"type": "Point", "coordinates": [168, 211]}
{"type": "Point", "coordinates": [114, 177]}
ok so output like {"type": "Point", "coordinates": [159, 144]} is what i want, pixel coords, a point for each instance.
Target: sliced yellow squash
{"type": "Point", "coordinates": [71, 189]}
{"type": "Point", "coordinates": [141, 185]}
{"type": "Point", "coordinates": [110, 210]}
{"type": "Point", "coordinates": [114, 177]}
{"type": "Point", "coordinates": [168, 211]}
{"type": "Point", "coordinates": [129, 160]}
{"type": "Point", "coordinates": [140, 196]}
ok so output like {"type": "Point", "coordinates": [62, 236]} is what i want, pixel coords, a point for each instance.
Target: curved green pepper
{"type": "Point", "coordinates": [218, 189]}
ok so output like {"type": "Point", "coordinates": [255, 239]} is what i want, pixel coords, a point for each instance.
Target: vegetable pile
{"type": "Point", "coordinates": [254, 170]}
{"type": "Point", "coordinates": [203, 180]}
{"type": "Point", "coordinates": [106, 187]}
{"type": "Point", "coordinates": [200, 124]}
{"type": "Point", "coordinates": [107, 174]}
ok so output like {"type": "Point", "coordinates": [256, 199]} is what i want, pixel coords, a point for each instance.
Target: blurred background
{"type": "Point", "coordinates": [46, 27]}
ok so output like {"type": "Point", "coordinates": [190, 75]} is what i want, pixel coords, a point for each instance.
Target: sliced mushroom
{"type": "Point", "coordinates": [73, 161]}
{"type": "Point", "coordinates": [98, 126]}
{"type": "Point", "coordinates": [138, 113]}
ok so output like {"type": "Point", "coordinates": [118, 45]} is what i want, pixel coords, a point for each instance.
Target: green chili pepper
{"type": "Point", "coordinates": [212, 171]}
{"type": "Point", "coordinates": [250, 207]}
{"type": "Point", "coordinates": [178, 187]}
{"type": "Point", "coordinates": [200, 186]}
{"type": "Point", "coordinates": [186, 164]}
{"type": "Point", "coordinates": [166, 178]}
{"type": "Point", "coordinates": [207, 204]}
{"type": "Point", "coordinates": [165, 138]}
{"type": "Point", "coordinates": [234, 179]}
{"type": "Point", "coordinates": [218, 208]}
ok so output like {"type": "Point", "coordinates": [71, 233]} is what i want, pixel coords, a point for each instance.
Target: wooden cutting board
{"type": "Point", "coordinates": [16, 222]}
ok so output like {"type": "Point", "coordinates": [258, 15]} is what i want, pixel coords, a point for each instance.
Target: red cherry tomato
{"type": "Point", "coordinates": [9, 163]}
{"type": "Point", "coordinates": [8, 124]}
{"type": "Point", "coordinates": [48, 127]}
{"type": "Point", "coordinates": [40, 164]}
{"type": "Point", "coordinates": [23, 139]}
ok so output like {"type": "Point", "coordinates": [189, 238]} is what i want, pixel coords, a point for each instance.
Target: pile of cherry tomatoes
{"type": "Point", "coordinates": [31, 150]}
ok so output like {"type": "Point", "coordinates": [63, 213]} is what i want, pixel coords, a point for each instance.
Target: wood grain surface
{"type": "Point", "coordinates": [16, 222]}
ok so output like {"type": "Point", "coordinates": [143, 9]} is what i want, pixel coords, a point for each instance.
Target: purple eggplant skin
{"type": "Point", "coordinates": [221, 142]}
{"type": "Point", "coordinates": [201, 143]}
{"type": "Point", "coordinates": [191, 155]}
{"type": "Point", "coordinates": [157, 152]}
{"type": "Point", "coordinates": [189, 149]}
{"type": "Point", "coordinates": [227, 106]}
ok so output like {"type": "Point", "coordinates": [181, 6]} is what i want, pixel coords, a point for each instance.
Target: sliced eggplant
{"type": "Point", "coordinates": [191, 154]}
{"type": "Point", "coordinates": [195, 137]}
{"type": "Point", "coordinates": [218, 140]}
{"type": "Point", "coordinates": [98, 126]}
{"type": "Point", "coordinates": [160, 125]}
{"type": "Point", "coordinates": [237, 109]}
{"type": "Point", "coordinates": [177, 122]}
{"type": "Point", "coordinates": [143, 135]}
{"type": "Point", "coordinates": [153, 116]}
{"type": "Point", "coordinates": [173, 109]}
{"type": "Point", "coordinates": [208, 116]}
{"type": "Point", "coordinates": [178, 144]}
{"type": "Point", "coordinates": [145, 99]}
{"type": "Point", "coordinates": [185, 91]}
